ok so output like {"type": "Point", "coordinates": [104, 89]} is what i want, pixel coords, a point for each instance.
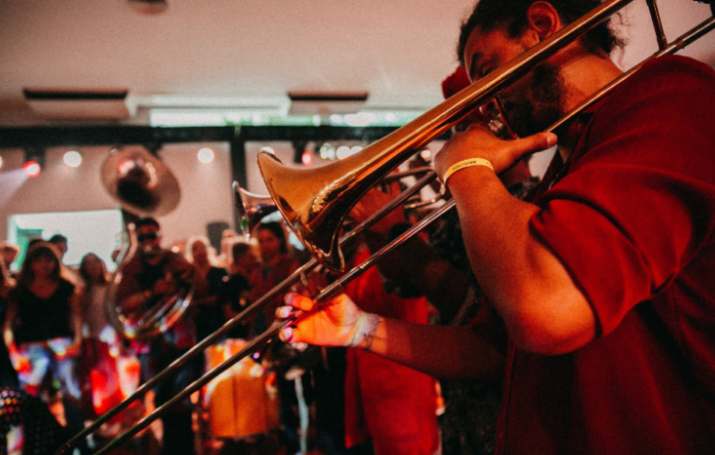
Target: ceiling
{"type": "Point", "coordinates": [250, 53]}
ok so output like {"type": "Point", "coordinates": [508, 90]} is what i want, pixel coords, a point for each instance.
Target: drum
{"type": "Point", "coordinates": [243, 400]}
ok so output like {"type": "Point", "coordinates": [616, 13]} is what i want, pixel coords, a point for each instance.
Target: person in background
{"type": "Point", "coordinates": [43, 332]}
{"type": "Point", "coordinates": [93, 271]}
{"type": "Point", "coordinates": [243, 260]}
{"type": "Point", "coordinates": [238, 288]}
{"type": "Point", "coordinates": [228, 238]}
{"type": "Point", "coordinates": [60, 242]}
{"type": "Point", "coordinates": [151, 277]}
{"type": "Point", "coordinates": [7, 281]}
{"type": "Point", "coordinates": [70, 273]}
{"type": "Point", "coordinates": [293, 384]}
{"type": "Point", "coordinates": [9, 252]}
{"type": "Point", "coordinates": [8, 375]}
{"type": "Point", "coordinates": [209, 281]}
{"type": "Point", "coordinates": [276, 265]}
{"type": "Point", "coordinates": [98, 373]}
{"type": "Point", "coordinates": [388, 406]}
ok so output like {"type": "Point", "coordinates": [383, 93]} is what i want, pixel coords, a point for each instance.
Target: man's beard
{"type": "Point", "coordinates": [546, 95]}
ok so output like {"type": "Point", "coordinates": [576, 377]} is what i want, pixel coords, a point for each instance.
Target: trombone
{"type": "Point", "coordinates": [315, 205]}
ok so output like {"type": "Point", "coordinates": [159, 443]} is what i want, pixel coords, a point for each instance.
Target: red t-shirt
{"type": "Point", "coordinates": [632, 221]}
{"type": "Point", "coordinates": [388, 402]}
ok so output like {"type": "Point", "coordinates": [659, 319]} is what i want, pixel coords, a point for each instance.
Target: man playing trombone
{"type": "Point", "coordinates": [599, 294]}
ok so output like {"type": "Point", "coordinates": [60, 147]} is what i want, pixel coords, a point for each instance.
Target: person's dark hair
{"type": "Point", "coordinates": [39, 249]}
{"type": "Point", "coordinates": [148, 221]}
{"type": "Point", "coordinates": [488, 15]}
{"type": "Point", "coordinates": [103, 279]}
{"type": "Point", "coordinates": [58, 238]}
{"type": "Point", "coordinates": [239, 249]}
{"type": "Point", "coordinates": [277, 230]}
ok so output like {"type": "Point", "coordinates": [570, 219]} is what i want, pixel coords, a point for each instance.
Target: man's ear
{"type": "Point", "coordinates": [543, 19]}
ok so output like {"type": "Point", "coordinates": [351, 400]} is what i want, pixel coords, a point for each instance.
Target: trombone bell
{"type": "Point", "coordinates": [315, 202]}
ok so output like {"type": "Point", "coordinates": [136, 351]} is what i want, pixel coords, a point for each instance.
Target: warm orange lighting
{"type": "Point", "coordinates": [32, 168]}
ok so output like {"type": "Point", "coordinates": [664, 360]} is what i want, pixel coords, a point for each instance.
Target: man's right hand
{"type": "Point", "coordinates": [335, 323]}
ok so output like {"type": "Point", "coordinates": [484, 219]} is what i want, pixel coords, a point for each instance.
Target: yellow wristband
{"type": "Point", "coordinates": [465, 164]}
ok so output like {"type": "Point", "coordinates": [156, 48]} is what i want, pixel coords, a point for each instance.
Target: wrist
{"type": "Point", "coordinates": [363, 331]}
{"type": "Point", "coordinates": [465, 164]}
{"type": "Point", "coordinates": [366, 343]}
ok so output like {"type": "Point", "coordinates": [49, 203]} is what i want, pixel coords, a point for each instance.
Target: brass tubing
{"type": "Point", "coordinates": [657, 24]}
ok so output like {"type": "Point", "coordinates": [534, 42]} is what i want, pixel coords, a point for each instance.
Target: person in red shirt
{"type": "Point", "coordinates": [385, 402]}
{"type": "Point", "coordinates": [277, 263]}
{"type": "Point", "coordinates": [603, 282]}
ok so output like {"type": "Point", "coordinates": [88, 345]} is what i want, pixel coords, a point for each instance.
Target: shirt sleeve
{"type": "Point", "coordinates": [639, 199]}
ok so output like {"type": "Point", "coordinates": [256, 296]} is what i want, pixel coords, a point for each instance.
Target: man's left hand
{"type": "Point", "coordinates": [478, 142]}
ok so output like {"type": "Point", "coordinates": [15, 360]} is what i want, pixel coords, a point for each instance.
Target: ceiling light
{"type": "Point", "coordinates": [307, 158]}
{"type": "Point", "coordinates": [360, 119]}
{"type": "Point", "coordinates": [343, 152]}
{"type": "Point", "coordinates": [327, 151]}
{"type": "Point", "coordinates": [34, 160]}
{"type": "Point", "coordinates": [32, 168]}
{"type": "Point", "coordinates": [206, 155]}
{"type": "Point", "coordinates": [72, 158]}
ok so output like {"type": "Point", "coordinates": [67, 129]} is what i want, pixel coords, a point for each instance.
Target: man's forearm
{"type": "Point", "coordinates": [439, 351]}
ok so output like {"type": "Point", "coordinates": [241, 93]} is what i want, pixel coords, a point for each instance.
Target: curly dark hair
{"type": "Point", "coordinates": [488, 15]}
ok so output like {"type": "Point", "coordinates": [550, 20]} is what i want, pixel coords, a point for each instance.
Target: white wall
{"type": "Point", "coordinates": [206, 188]}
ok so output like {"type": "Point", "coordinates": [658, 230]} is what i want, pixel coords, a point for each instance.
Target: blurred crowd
{"type": "Point", "coordinates": [66, 352]}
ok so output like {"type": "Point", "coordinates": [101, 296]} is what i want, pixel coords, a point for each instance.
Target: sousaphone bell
{"type": "Point", "coordinates": [144, 186]}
